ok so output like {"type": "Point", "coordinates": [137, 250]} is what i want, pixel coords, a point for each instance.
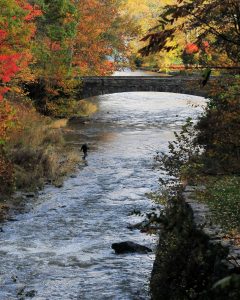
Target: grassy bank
{"type": "Point", "coordinates": [222, 195]}
{"type": "Point", "coordinates": [205, 154]}
{"type": "Point", "coordinates": [35, 151]}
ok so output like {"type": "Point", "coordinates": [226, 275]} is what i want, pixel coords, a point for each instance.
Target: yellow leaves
{"type": "Point", "coordinates": [145, 14]}
{"type": "Point", "coordinates": [7, 118]}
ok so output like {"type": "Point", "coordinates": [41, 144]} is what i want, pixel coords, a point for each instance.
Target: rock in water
{"type": "Point", "coordinates": [129, 247]}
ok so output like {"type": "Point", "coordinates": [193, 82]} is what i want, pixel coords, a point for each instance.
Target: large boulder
{"type": "Point", "coordinates": [129, 247]}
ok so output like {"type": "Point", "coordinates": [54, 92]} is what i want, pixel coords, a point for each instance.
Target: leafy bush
{"type": "Point", "coordinates": [6, 174]}
{"type": "Point", "coordinates": [184, 157]}
{"type": "Point", "coordinates": [7, 118]}
{"type": "Point", "coordinates": [64, 107]}
{"type": "Point", "coordinates": [219, 130]}
{"type": "Point", "coordinates": [186, 265]}
{"type": "Point", "coordinates": [33, 152]}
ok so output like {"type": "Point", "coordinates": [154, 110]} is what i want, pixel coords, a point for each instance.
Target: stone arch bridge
{"type": "Point", "coordinates": [95, 86]}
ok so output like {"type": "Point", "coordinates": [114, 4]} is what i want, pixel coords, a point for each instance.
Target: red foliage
{"type": "Point", "coordinates": [33, 11]}
{"type": "Point", "coordinates": [205, 44]}
{"type": "Point", "coordinates": [3, 35]}
{"type": "Point", "coordinates": [91, 48]}
{"type": "Point", "coordinates": [206, 47]}
{"type": "Point", "coordinates": [16, 31]}
{"type": "Point", "coordinates": [8, 66]}
{"type": "Point", "coordinates": [191, 48]}
{"type": "Point", "coordinates": [55, 46]}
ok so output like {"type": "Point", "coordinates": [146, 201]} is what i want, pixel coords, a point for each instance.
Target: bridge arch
{"type": "Point", "coordinates": [95, 86]}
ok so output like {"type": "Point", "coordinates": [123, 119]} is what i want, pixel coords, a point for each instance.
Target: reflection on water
{"type": "Point", "coordinates": [61, 248]}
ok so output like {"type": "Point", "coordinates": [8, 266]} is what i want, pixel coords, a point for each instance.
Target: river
{"type": "Point", "coordinates": [60, 247]}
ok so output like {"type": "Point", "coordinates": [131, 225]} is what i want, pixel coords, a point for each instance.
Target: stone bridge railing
{"type": "Point", "coordinates": [94, 86]}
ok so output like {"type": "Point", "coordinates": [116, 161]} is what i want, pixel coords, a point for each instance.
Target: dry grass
{"type": "Point", "coordinates": [86, 108]}
{"type": "Point", "coordinates": [38, 151]}
{"type": "Point", "coordinates": [65, 108]}
{"type": "Point", "coordinates": [57, 124]}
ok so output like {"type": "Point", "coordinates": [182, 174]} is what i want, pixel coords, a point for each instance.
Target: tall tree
{"type": "Point", "coordinates": [216, 20]}
{"type": "Point", "coordinates": [101, 36]}
{"type": "Point", "coordinates": [53, 47]}
{"type": "Point", "coordinates": [16, 31]}
{"type": "Point", "coordinates": [145, 15]}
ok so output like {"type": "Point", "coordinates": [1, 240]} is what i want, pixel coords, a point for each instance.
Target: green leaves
{"type": "Point", "coordinates": [183, 160]}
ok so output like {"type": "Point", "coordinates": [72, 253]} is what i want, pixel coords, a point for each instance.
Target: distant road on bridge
{"type": "Point", "coordinates": [94, 86]}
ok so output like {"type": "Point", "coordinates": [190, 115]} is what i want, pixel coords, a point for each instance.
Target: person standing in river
{"type": "Point", "coordinates": [85, 149]}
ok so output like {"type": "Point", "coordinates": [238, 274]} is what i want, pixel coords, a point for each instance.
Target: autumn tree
{"type": "Point", "coordinates": [53, 50]}
{"type": "Point", "coordinates": [145, 15]}
{"type": "Point", "coordinates": [212, 28]}
{"type": "Point", "coordinates": [16, 31]}
{"type": "Point", "coordinates": [101, 36]}
{"type": "Point", "coordinates": [53, 47]}
{"type": "Point", "coordinates": [219, 128]}
{"type": "Point", "coordinates": [215, 21]}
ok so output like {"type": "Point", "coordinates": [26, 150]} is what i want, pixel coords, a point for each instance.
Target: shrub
{"type": "Point", "coordinates": [64, 107]}
{"type": "Point", "coordinates": [6, 174]}
{"type": "Point", "coordinates": [184, 157]}
{"type": "Point", "coordinates": [35, 152]}
{"type": "Point", "coordinates": [219, 131]}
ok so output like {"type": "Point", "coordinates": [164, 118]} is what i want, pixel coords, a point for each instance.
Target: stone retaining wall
{"type": "Point", "coordinates": [202, 219]}
{"type": "Point", "coordinates": [192, 258]}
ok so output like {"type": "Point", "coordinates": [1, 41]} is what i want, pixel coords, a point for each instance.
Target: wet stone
{"type": "Point", "coordinates": [230, 264]}
{"type": "Point", "coordinates": [130, 247]}
{"type": "Point", "coordinates": [60, 185]}
{"type": "Point", "coordinates": [73, 176]}
{"type": "Point", "coordinates": [236, 252]}
{"type": "Point", "coordinates": [31, 294]}
{"type": "Point", "coordinates": [30, 195]}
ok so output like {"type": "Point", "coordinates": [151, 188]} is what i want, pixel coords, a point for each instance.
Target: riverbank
{"type": "Point", "coordinates": [192, 260]}
{"type": "Point", "coordinates": [35, 154]}
{"type": "Point", "coordinates": [198, 253]}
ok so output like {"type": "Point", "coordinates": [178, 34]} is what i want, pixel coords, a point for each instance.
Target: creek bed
{"type": "Point", "coordinates": [60, 247]}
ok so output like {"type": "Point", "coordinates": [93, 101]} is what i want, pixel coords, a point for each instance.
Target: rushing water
{"type": "Point", "coordinates": [60, 248]}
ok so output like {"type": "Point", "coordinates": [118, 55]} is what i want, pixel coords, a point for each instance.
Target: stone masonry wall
{"type": "Point", "coordinates": [93, 86]}
{"type": "Point", "coordinates": [193, 261]}
{"type": "Point", "coordinates": [202, 220]}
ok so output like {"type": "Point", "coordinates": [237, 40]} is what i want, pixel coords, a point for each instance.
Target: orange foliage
{"type": "Point", "coordinates": [191, 48]}
{"type": "Point", "coordinates": [6, 120]}
{"type": "Point", "coordinates": [16, 30]}
{"type": "Point", "coordinates": [15, 34]}
{"type": "Point", "coordinates": [92, 48]}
